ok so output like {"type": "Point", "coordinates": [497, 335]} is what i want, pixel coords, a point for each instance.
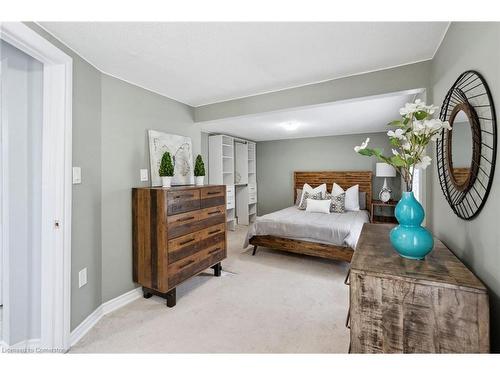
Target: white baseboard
{"type": "Point", "coordinates": [85, 326]}
{"type": "Point", "coordinates": [120, 301]}
{"type": "Point", "coordinates": [106, 308]}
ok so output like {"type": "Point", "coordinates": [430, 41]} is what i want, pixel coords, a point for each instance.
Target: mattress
{"type": "Point", "coordinates": [332, 229]}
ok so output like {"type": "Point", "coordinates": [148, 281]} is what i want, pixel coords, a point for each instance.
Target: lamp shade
{"type": "Point", "coordinates": [385, 170]}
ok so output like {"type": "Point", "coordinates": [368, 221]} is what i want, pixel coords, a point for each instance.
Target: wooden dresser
{"type": "Point", "coordinates": [177, 233]}
{"type": "Point", "coordinates": [406, 306]}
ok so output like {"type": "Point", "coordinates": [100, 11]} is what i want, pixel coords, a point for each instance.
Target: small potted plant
{"type": "Point", "coordinates": [166, 170]}
{"type": "Point", "coordinates": [199, 170]}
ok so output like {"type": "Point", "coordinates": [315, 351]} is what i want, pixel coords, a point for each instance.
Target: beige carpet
{"type": "Point", "coordinates": [274, 302]}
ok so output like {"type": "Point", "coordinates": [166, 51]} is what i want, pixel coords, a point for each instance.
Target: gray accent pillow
{"type": "Point", "coordinates": [307, 195]}
{"type": "Point", "coordinates": [362, 200]}
{"type": "Point", "coordinates": [299, 194]}
{"type": "Point", "coordinates": [337, 203]}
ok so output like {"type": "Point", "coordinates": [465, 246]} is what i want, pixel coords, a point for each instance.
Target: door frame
{"type": "Point", "coordinates": [56, 185]}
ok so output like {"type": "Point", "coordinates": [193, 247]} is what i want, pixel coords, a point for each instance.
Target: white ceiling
{"type": "Point", "coordinates": [363, 115]}
{"type": "Point", "coordinates": [201, 63]}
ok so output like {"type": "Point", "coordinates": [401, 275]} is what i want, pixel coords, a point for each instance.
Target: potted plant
{"type": "Point", "coordinates": [199, 170]}
{"type": "Point", "coordinates": [166, 170]}
{"type": "Point", "coordinates": [409, 140]}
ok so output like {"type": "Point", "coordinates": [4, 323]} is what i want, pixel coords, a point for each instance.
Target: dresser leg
{"type": "Point", "coordinates": [254, 250]}
{"type": "Point", "coordinates": [217, 269]}
{"type": "Point", "coordinates": [171, 298]}
{"type": "Point", "coordinates": [146, 294]}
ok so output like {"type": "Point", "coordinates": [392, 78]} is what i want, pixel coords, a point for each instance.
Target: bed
{"type": "Point", "coordinates": [332, 236]}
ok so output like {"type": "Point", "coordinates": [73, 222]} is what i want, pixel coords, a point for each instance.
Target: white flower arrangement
{"type": "Point", "coordinates": [409, 140]}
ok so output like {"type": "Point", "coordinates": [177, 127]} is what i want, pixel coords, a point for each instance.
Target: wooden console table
{"type": "Point", "coordinates": [398, 305]}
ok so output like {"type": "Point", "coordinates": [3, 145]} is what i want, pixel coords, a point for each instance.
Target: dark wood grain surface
{"type": "Point", "coordinates": [345, 179]}
{"type": "Point", "coordinates": [173, 237]}
{"type": "Point", "coordinates": [399, 305]}
{"type": "Point", "coordinates": [375, 255]}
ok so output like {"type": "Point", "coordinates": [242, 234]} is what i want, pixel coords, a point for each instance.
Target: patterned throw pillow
{"type": "Point", "coordinates": [337, 204]}
{"type": "Point", "coordinates": [307, 195]}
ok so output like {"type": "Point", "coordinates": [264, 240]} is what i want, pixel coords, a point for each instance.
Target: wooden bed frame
{"type": "Point", "coordinates": [345, 180]}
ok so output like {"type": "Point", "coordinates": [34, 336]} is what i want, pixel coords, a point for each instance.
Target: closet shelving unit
{"type": "Point", "coordinates": [252, 182]}
{"type": "Point", "coordinates": [232, 162]}
{"type": "Point", "coordinates": [221, 171]}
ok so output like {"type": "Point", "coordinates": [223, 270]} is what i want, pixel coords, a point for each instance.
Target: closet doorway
{"type": "Point", "coordinates": [35, 191]}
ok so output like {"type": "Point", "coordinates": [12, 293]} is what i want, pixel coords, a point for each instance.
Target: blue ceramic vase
{"type": "Point", "coordinates": [409, 238]}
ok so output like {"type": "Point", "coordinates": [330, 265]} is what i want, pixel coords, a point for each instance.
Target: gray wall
{"type": "Point", "coordinates": [405, 77]}
{"type": "Point", "coordinates": [127, 113]}
{"type": "Point", "coordinates": [110, 149]}
{"type": "Point", "coordinates": [476, 242]}
{"type": "Point", "coordinates": [86, 209]}
{"type": "Point", "coordinates": [277, 160]}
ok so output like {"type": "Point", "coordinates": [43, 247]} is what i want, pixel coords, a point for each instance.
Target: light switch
{"type": "Point", "coordinates": [144, 175]}
{"type": "Point", "coordinates": [82, 277]}
{"type": "Point", "coordinates": [77, 175]}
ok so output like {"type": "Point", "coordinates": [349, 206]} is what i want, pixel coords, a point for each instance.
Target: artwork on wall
{"type": "Point", "coordinates": [180, 149]}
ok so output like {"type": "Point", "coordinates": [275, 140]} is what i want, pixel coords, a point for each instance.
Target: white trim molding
{"type": "Point", "coordinates": [56, 181]}
{"type": "Point", "coordinates": [105, 309]}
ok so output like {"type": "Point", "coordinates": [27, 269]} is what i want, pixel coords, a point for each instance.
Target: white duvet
{"type": "Point", "coordinates": [334, 229]}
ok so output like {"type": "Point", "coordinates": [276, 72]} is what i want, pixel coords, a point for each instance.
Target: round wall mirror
{"type": "Point", "coordinates": [462, 140]}
{"type": "Point", "coordinates": [466, 154]}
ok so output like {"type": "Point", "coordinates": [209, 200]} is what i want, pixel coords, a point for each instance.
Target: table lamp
{"type": "Point", "coordinates": [385, 170]}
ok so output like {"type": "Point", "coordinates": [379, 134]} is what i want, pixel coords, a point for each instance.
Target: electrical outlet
{"type": "Point", "coordinates": [82, 277]}
{"type": "Point", "coordinates": [144, 175]}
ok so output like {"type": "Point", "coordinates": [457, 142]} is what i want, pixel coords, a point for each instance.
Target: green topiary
{"type": "Point", "coordinates": [199, 167]}
{"type": "Point", "coordinates": [166, 166]}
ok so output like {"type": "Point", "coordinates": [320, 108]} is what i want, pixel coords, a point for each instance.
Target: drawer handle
{"type": "Point", "coordinates": [186, 264]}
{"type": "Point", "coordinates": [214, 231]}
{"type": "Point", "coordinates": [213, 192]}
{"type": "Point", "coordinates": [185, 219]}
{"type": "Point", "coordinates": [214, 212]}
{"type": "Point", "coordinates": [183, 196]}
{"type": "Point", "coordinates": [214, 250]}
{"type": "Point", "coordinates": [186, 242]}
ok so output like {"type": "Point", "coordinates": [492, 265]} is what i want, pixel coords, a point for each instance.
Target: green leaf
{"type": "Point", "coordinates": [420, 115]}
{"type": "Point", "coordinates": [394, 142]}
{"type": "Point", "coordinates": [366, 152]}
{"type": "Point", "coordinates": [395, 123]}
{"type": "Point", "coordinates": [397, 161]}
{"type": "Point", "coordinates": [406, 120]}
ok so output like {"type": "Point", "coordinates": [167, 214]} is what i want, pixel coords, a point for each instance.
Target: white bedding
{"type": "Point", "coordinates": [333, 229]}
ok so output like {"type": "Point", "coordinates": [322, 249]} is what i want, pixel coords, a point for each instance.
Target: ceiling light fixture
{"type": "Point", "coordinates": [290, 125]}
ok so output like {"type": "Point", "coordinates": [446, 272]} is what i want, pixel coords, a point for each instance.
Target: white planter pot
{"type": "Point", "coordinates": [199, 180]}
{"type": "Point", "coordinates": [166, 181]}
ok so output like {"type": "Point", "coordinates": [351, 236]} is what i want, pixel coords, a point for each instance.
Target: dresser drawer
{"type": "Point", "coordinates": [189, 222]}
{"type": "Point", "coordinates": [213, 196]}
{"type": "Point", "coordinates": [187, 245]}
{"type": "Point", "coordinates": [183, 201]}
{"type": "Point", "coordinates": [195, 263]}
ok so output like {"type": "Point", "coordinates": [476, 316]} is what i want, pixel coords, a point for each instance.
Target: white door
{"type": "Point", "coordinates": [22, 125]}
{"type": "Point", "coordinates": [2, 179]}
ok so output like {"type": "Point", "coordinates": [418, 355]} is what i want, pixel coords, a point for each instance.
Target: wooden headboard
{"type": "Point", "coordinates": [344, 179]}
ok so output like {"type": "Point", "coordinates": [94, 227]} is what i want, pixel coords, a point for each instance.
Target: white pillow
{"type": "Point", "coordinates": [351, 196]}
{"type": "Point", "coordinates": [321, 206]}
{"type": "Point", "coordinates": [307, 188]}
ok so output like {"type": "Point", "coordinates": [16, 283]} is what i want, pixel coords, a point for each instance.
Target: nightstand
{"type": "Point", "coordinates": [383, 212]}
